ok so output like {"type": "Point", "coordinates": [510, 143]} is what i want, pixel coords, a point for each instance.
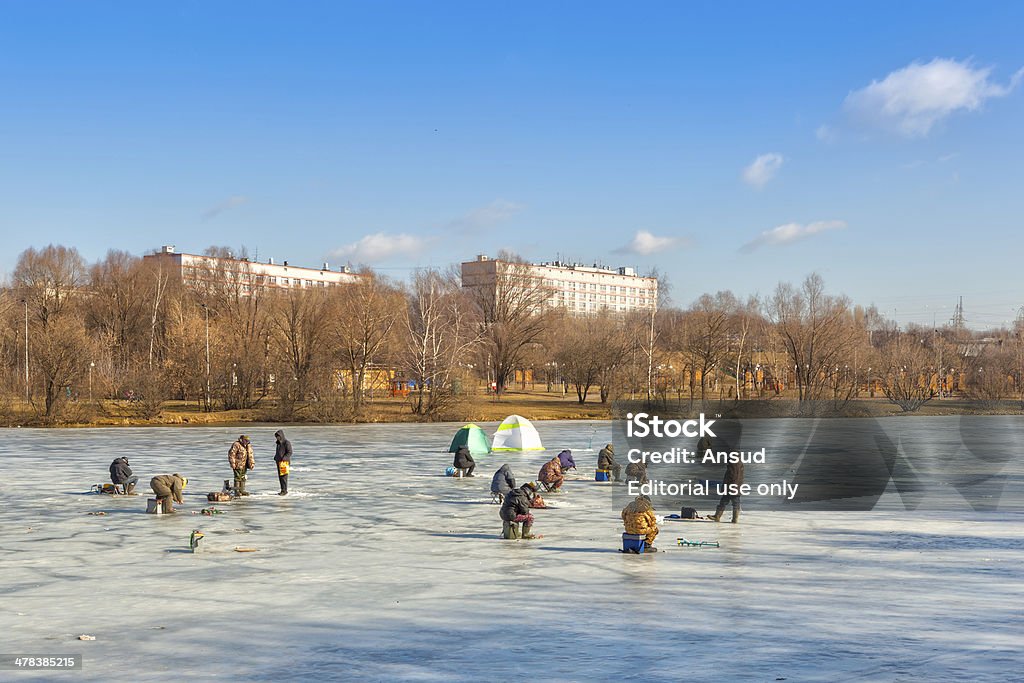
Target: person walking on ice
{"type": "Point", "coordinates": [733, 476]}
{"type": "Point", "coordinates": [283, 458]}
{"type": "Point", "coordinates": [241, 459]}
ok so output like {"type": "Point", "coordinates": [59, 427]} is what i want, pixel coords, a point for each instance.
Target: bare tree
{"type": "Point", "coordinates": [588, 349]}
{"type": "Point", "coordinates": [438, 336]}
{"type": "Point", "coordinates": [815, 330]}
{"type": "Point", "coordinates": [367, 313]}
{"type": "Point", "coordinates": [511, 315]}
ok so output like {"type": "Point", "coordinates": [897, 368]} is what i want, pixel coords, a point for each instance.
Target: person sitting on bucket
{"type": "Point", "coordinates": [121, 473]}
{"type": "Point", "coordinates": [606, 461]}
{"type": "Point", "coordinates": [515, 509]}
{"type": "Point", "coordinates": [168, 488]}
{"type": "Point", "coordinates": [503, 482]}
{"type": "Point", "coordinates": [551, 475]}
{"type": "Point", "coordinates": [464, 461]}
{"type": "Point", "coordinates": [241, 459]}
{"type": "Point", "coordinates": [566, 461]}
{"type": "Point", "coordinates": [638, 518]}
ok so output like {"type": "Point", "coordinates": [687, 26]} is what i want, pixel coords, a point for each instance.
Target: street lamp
{"type": "Point", "coordinates": [207, 310]}
{"type": "Point", "coordinates": [92, 364]}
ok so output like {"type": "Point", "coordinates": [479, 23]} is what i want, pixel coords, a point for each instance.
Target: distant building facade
{"type": "Point", "coordinates": [580, 289]}
{"type": "Point", "coordinates": [196, 270]}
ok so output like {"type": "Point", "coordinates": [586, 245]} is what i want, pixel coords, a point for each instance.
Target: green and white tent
{"type": "Point", "coordinates": [472, 436]}
{"type": "Point", "coordinates": [516, 433]}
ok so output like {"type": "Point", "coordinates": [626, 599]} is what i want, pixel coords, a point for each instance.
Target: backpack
{"type": "Point", "coordinates": [688, 513]}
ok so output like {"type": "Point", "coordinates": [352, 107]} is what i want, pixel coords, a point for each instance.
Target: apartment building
{"type": "Point", "coordinates": [197, 270]}
{"type": "Point", "coordinates": [579, 288]}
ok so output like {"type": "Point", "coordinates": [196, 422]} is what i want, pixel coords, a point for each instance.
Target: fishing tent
{"type": "Point", "coordinates": [516, 434]}
{"type": "Point", "coordinates": [472, 436]}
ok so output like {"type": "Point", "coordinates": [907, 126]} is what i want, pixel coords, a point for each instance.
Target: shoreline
{"type": "Point", "coordinates": [535, 406]}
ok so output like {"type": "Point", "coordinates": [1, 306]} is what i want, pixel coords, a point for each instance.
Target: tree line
{"type": "Point", "coordinates": [127, 332]}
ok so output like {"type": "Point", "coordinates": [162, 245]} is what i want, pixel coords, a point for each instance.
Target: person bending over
{"type": "Point", "coordinates": [121, 473]}
{"type": "Point", "coordinates": [464, 461]}
{"type": "Point", "coordinates": [515, 509]}
{"type": "Point", "coordinates": [168, 489]}
{"type": "Point", "coordinates": [503, 482]}
{"type": "Point", "coordinates": [551, 475]}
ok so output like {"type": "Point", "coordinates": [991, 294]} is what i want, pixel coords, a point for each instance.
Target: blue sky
{"type": "Point", "coordinates": [728, 145]}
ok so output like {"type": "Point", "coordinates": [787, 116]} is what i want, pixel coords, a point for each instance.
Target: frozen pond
{"type": "Point", "coordinates": [377, 567]}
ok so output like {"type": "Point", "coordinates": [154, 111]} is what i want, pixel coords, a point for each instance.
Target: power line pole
{"type": "Point", "coordinates": [25, 301]}
{"type": "Point", "coordinates": [958, 316]}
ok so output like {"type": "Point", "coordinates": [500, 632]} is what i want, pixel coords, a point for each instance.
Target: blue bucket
{"type": "Point", "coordinates": [602, 475]}
{"type": "Point", "coordinates": [634, 543]}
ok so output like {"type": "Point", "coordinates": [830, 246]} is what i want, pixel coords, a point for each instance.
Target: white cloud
{"type": "Point", "coordinates": [911, 100]}
{"type": "Point", "coordinates": [382, 246]}
{"type": "Point", "coordinates": [229, 203]}
{"type": "Point", "coordinates": [487, 216]}
{"type": "Point", "coordinates": [762, 169]}
{"type": "Point", "coordinates": [789, 233]}
{"type": "Point", "coordinates": [645, 243]}
{"type": "Point", "coordinates": [825, 133]}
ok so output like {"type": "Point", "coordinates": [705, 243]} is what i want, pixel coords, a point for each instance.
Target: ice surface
{"type": "Point", "coordinates": [378, 567]}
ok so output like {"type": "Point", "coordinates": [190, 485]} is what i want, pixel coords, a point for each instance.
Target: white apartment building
{"type": "Point", "coordinates": [580, 289]}
{"type": "Point", "coordinates": [196, 270]}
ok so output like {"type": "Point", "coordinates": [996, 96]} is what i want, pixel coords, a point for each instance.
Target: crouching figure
{"type": "Point", "coordinates": [515, 510]}
{"type": "Point", "coordinates": [638, 518]}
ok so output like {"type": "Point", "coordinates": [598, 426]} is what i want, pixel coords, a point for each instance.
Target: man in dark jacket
{"type": "Point", "coordinates": [733, 475]}
{"type": "Point", "coordinates": [503, 482]}
{"type": "Point", "coordinates": [464, 461]}
{"type": "Point", "coordinates": [283, 458]}
{"type": "Point", "coordinates": [515, 509]}
{"type": "Point", "coordinates": [606, 461]}
{"type": "Point", "coordinates": [121, 473]}
{"type": "Point", "coordinates": [168, 488]}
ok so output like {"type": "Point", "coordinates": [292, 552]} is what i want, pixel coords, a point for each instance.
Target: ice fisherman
{"type": "Point", "coordinates": [168, 489]}
{"type": "Point", "coordinates": [637, 471]}
{"type": "Point", "coordinates": [121, 473]}
{"type": "Point", "coordinates": [551, 475]}
{"type": "Point", "coordinates": [703, 444]}
{"type": "Point", "coordinates": [283, 458]}
{"type": "Point", "coordinates": [638, 518]}
{"type": "Point", "coordinates": [464, 461]}
{"type": "Point", "coordinates": [503, 482]}
{"type": "Point", "coordinates": [565, 459]}
{"type": "Point", "coordinates": [733, 475]}
{"type": "Point", "coordinates": [515, 509]}
{"type": "Point", "coordinates": [606, 461]}
{"type": "Point", "coordinates": [241, 459]}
